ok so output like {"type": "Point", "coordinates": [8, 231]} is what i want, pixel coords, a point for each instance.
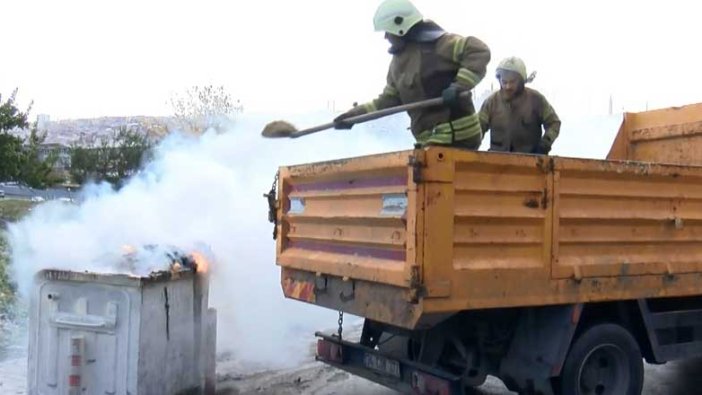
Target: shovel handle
{"type": "Point", "coordinates": [377, 114]}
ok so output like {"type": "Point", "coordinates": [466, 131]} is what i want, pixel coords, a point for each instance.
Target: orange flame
{"type": "Point", "coordinates": [203, 265]}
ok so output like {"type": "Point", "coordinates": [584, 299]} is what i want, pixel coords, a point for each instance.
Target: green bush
{"type": "Point", "coordinates": [11, 210]}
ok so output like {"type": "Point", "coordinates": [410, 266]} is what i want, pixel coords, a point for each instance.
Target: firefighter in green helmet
{"type": "Point", "coordinates": [515, 115]}
{"type": "Point", "coordinates": [428, 62]}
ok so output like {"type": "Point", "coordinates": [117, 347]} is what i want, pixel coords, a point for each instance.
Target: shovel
{"type": "Point", "coordinates": [278, 129]}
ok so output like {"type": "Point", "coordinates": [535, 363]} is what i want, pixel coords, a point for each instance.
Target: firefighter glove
{"type": "Point", "coordinates": [451, 95]}
{"type": "Point", "coordinates": [543, 148]}
{"type": "Point", "coordinates": [339, 122]}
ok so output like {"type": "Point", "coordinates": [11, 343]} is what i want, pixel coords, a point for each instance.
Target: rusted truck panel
{"type": "Point", "coordinates": [348, 234]}
{"type": "Point", "coordinates": [350, 219]}
{"type": "Point", "coordinates": [407, 237]}
{"type": "Point", "coordinates": [487, 235]}
{"type": "Point", "coordinates": [670, 135]}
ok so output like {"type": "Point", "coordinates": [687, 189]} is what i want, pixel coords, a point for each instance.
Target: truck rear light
{"type": "Point", "coordinates": [426, 384]}
{"type": "Point", "coordinates": [329, 351]}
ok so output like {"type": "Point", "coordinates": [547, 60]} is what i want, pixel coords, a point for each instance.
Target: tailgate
{"type": "Point", "coordinates": [352, 218]}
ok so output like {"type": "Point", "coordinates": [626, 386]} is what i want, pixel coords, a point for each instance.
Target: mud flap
{"type": "Point", "coordinates": [539, 348]}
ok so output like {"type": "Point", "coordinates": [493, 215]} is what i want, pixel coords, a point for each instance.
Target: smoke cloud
{"type": "Point", "coordinates": [203, 191]}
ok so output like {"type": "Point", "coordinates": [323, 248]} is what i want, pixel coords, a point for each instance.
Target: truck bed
{"type": "Point", "coordinates": [408, 238]}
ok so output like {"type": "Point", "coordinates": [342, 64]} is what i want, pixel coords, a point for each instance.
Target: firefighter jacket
{"type": "Point", "coordinates": [516, 125]}
{"type": "Point", "coordinates": [421, 70]}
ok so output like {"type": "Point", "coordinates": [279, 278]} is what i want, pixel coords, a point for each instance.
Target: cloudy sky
{"type": "Point", "coordinates": [91, 58]}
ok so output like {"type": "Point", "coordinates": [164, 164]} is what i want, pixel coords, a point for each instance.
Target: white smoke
{"type": "Point", "coordinates": [203, 190]}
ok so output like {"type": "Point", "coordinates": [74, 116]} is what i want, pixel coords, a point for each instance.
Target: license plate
{"type": "Point", "coordinates": [382, 364]}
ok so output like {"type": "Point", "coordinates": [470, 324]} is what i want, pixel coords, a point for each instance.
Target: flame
{"type": "Point", "coordinates": [202, 264]}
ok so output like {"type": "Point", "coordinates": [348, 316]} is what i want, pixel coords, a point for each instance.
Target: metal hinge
{"type": "Point", "coordinates": [273, 205]}
{"type": "Point", "coordinates": [416, 166]}
{"type": "Point", "coordinates": [415, 286]}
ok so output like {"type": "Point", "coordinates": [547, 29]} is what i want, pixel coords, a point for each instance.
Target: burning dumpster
{"type": "Point", "coordinates": [95, 333]}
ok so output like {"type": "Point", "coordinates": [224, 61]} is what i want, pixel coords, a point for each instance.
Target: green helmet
{"type": "Point", "coordinates": [513, 64]}
{"type": "Point", "coordinates": [396, 17]}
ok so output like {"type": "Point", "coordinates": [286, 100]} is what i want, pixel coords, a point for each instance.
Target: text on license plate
{"type": "Point", "coordinates": [381, 364]}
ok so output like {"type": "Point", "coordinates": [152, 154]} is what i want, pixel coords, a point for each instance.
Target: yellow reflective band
{"type": "Point", "coordinates": [390, 90]}
{"type": "Point", "coordinates": [484, 117]}
{"type": "Point", "coordinates": [467, 77]}
{"type": "Point", "coordinates": [458, 49]}
{"type": "Point", "coordinates": [463, 128]}
{"type": "Point", "coordinates": [423, 137]}
{"type": "Point", "coordinates": [469, 121]}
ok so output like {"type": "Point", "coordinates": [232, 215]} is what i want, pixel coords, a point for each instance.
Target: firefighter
{"type": "Point", "coordinates": [515, 114]}
{"type": "Point", "coordinates": [428, 62]}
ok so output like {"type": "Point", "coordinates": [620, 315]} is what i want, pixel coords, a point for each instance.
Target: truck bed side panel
{"type": "Point", "coordinates": [671, 135]}
{"type": "Point", "coordinates": [627, 219]}
{"type": "Point", "coordinates": [350, 218]}
{"type": "Point", "coordinates": [488, 226]}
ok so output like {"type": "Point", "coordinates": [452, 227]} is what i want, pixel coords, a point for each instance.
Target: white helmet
{"type": "Point", "coordinates": [396, 17]}
{"type": "Point", "coordinates": [513, 64]}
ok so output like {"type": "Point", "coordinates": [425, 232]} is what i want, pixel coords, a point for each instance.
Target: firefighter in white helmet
{"type": "Point", "coordinates": [515, 115]}
{"type": "Point", "coordinates": [428, 62]}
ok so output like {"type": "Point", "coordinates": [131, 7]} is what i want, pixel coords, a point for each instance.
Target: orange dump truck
{"type": "Point", "coordinates": [557, 275]}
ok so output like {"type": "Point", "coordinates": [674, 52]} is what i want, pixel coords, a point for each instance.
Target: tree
{"type": "Point", "coordinates": [10, 156]}
{"type": "Point", "coordinates": [35, 170]}
{"type": "Point", "coordinates": [112, 159]}
{"type": "Point", "coordinates": [133, 149]}
{"type": "Point", "coordinates": [10, 146]}
{"type": "Point", "coordinates": [203, 107]}
{"type": "Point", "coordinates": [20, 159]}
{"type": "Point", "coordinates": [83, 163]}
{"type": "Point", "coordinates": [10, 116]}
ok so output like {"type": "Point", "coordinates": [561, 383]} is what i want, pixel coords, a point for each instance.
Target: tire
{"type": "Point", "coordinates": [604, 360]}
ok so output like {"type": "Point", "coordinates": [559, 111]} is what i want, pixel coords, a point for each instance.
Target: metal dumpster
{"type": "Point", "coordinates": [119, 334]}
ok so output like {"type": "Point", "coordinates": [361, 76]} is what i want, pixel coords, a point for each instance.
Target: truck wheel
{"type": "Point", "coordinates": [604, 360]}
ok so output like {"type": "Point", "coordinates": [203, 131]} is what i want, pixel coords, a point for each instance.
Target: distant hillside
{"type": "Point", "coordinates": [68, 132]}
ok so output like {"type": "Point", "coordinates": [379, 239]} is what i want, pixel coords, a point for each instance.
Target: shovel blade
{"type": "Point", "coordinates": [278, 129]}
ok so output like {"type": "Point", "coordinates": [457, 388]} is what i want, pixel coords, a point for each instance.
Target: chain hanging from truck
{"type": "Point", "coordinates": [341, 324]}
{"type": "Point", "coordinates": [272, 205]}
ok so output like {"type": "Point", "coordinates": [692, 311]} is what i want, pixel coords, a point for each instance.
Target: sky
{"type": "Point", "coordinates": [78, 59]}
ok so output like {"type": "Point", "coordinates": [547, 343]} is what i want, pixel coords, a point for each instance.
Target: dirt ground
{"type": "Point", "coordinates": [675, 378]}
{"type": "Point", "coordinates": [314, 378]}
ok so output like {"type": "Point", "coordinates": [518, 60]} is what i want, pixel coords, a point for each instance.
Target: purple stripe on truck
{"type": "Point", "coordinates": [351, 184]}
{"type": "Point", "coordinates": [373, 252]}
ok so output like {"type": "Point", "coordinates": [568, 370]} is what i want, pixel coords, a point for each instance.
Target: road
{"type": "Point", "coordinates": [21, 192]}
